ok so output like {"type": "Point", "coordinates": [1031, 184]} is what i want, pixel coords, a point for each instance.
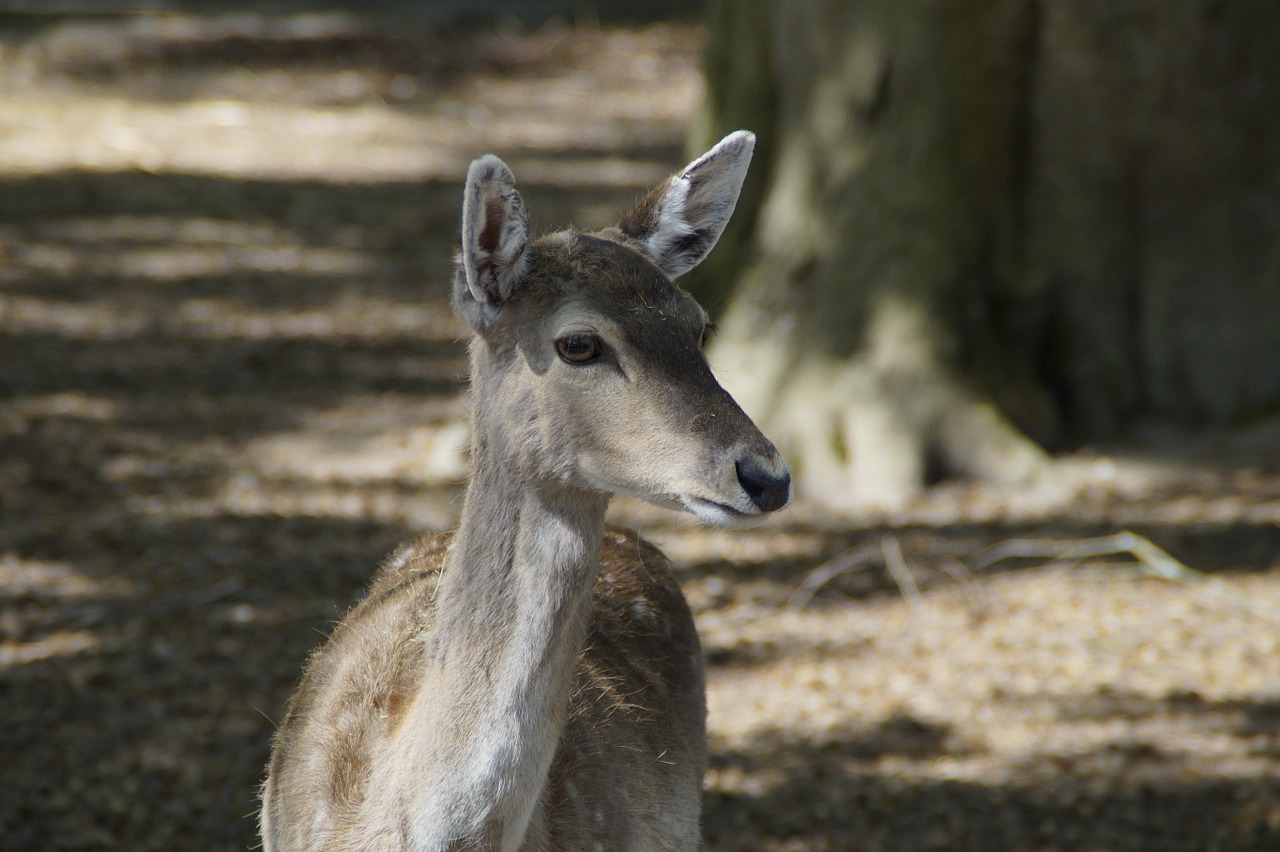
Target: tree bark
{"type": "Point", "coordinates": [977, 227]}
{"type": "Point", "coordinates": [1154, 209]}
{"type": "Point", "coordinates": [856, 323]}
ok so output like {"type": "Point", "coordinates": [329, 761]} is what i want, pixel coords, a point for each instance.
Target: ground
{"type": "Point", "coordinates": [230, 384]}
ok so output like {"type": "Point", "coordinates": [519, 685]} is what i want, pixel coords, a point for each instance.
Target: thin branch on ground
{"type": "Point", "coordinates": [856, 559]}
{"type": "Point", "coordinates": [885, 552]}
{"type": "Point", "coordinates": [900, 571]}
{"type": "Point", "coordinates": [1153, 560]}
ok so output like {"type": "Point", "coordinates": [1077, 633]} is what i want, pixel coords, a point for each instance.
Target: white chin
{"type": "Point", "coordinates": [719, 515]}
{"type": "Point", "coordinates": [708, 511]}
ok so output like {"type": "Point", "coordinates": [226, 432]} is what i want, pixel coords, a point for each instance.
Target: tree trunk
{"type": "Point", "coordinates": [858, 316]}
{"type": "Point", "coordinates": [970, 214]}
{"type": "Point", "coordinates": [1154, 209]}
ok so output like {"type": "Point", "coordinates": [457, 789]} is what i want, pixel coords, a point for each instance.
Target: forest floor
{"type": "Point", "coordinates": [230, 383]}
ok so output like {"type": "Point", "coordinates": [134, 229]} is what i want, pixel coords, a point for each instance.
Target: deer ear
{"type": "Point", "coordinates": [680, 221]}
{"type": "Point", "coordinates": [495, 235]}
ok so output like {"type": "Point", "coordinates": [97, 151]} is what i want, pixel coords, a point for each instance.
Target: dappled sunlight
{"type": "Point", "coordinates": [341, 446]}
{"type": "Point", "coordinates": [273, 142]}
{"type": "Point", "coordinates": [17, 414]}
{"type": "Point", "coordinates": [893, 697]}
{"type": "Point", "coordinates": [335, 117]}
{"type": "Point", "coordinates": [25, 577]}
{"type": "Point", "coordinates": [170, 249]}
{"type": "Point", "coordinates": [99, 320]}
{"type": "Point", "coordinates": [419, 512]}
{"type": "Point", "coordinates": [380, 458]}
{"type": "Point", "coordinates": [349, 316]}
{"type": "Point", "coordinates": [60, 643]}
{"type": "Point", "coordinates": [241, 140]}
{"type": "Point", "coordinates": [233, 383]}
{"type": "Point", "coordinates": [29, 586]}
{"type": "Point", "coordinates": [179, 261]}
{"type": "Point", "coordinates": [385, 459]}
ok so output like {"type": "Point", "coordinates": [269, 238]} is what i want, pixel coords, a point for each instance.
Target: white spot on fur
{"type": "Point", "coordinates": [642, 611]}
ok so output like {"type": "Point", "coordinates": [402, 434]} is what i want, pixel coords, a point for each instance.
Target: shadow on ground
{"type": "Point", "coordinates": [1138, 796]}
{"type": "Point", "coordinates": [191, 360]}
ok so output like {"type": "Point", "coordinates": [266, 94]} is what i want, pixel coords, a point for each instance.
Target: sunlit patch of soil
{"type": "Point", "coordinates": [232, 383]}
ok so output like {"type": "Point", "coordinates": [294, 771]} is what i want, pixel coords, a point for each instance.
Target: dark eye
{"type": "Point", "coordinates": [578, 348]}
{"type": "Point", "coordinates": [707, 331]}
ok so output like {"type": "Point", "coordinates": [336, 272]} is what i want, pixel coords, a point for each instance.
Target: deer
{"type": "Point", "coordinates": [534, 680]}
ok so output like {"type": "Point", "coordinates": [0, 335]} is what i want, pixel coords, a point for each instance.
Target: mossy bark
{"type": "Point", "coordinates": [881, 236]}
{"type": "Point", "coordinates": [925, 276]}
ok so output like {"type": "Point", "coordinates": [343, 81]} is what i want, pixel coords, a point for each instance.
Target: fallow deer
{"type": "Point", "coordinates": [534, 681]}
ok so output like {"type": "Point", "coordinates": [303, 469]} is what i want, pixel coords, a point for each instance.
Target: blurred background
{"type": "Point", "coordinates": [1006, 275]}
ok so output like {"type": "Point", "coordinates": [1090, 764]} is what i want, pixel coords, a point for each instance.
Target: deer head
{"type": "Point", "coordinates": [587, 357]}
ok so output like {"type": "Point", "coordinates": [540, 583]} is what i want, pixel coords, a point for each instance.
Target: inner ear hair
{"type": "Point", "coordinates": [495, 231]}
{"type": "Point", "coordinates": [680, 221]}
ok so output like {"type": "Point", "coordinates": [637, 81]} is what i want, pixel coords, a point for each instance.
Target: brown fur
{"type": "Point", "coordinates": [631, 723]}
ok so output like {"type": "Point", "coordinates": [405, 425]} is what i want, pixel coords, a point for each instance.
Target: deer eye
{"type": "Point", "coordinates": [707, 330]}
{"type": "Point", "coordinates": [578, 347]}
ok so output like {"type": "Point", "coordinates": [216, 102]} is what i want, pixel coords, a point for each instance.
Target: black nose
{"type": "Point", "coordinates": [767, 489]}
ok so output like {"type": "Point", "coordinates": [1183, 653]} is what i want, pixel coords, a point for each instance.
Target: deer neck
{"type": "Point", "coordinates": [512, 613]}
{"type": "Point", "coordinates": [524, 559]}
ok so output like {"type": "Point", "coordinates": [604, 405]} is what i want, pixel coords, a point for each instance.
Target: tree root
{"type": "Point", "coordinates": [1152, 561]}
{"type": "Point", "coordinates": [859, 435]}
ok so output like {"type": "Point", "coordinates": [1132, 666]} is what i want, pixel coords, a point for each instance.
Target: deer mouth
{"type": "Point", "coordinates": [717, 514]}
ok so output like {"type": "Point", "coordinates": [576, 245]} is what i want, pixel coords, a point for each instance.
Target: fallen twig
{"type": "Point", "coordinates": [899, 570]}
{"type": "Point", "coordinates": [861, 557]}
{"type": "Point", "coordinates": [1153, 560]}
